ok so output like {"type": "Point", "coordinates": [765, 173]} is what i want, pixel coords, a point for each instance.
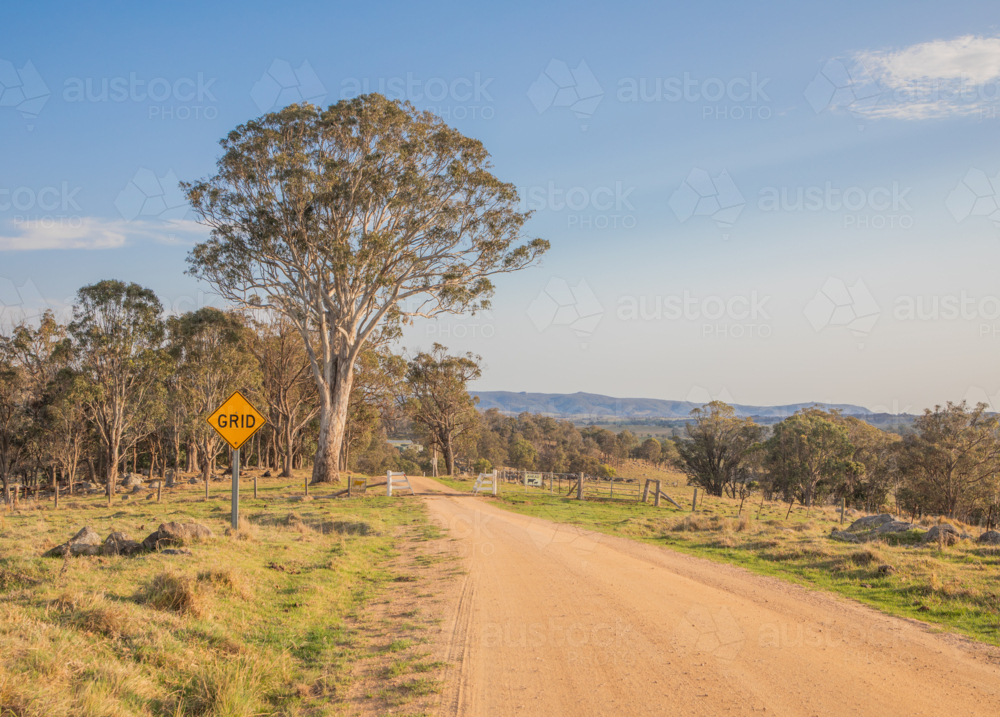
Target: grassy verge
{"type": "Point", "coordinates": [271, 619]}
{"type": "Point", "coordinates": [956, 588]}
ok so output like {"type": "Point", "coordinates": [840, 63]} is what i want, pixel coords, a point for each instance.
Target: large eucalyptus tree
{"type": "Point", "coordinates": [350, 221]}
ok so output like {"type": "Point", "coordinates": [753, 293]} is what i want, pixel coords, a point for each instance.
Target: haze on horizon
{"type": "Point", "coordinates": [737, 207]}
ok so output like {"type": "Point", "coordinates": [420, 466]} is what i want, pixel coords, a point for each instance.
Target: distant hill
{"type": "Point", "coordinates": [594, 406]}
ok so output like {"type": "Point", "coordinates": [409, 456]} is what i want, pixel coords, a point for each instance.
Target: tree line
{"type": "Point", "coordinates": [123, 387]}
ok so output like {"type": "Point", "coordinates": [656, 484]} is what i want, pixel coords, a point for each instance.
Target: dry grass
{"type": "Point", "coordinates": [231, 628]}
{"type": "Point", "coordinates": [228, 579]}
{"type": "Point", "coordinates": [169, 591]}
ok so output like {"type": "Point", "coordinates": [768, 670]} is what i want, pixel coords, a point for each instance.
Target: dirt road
{"type": "Point", "coordinates": [552, 620]}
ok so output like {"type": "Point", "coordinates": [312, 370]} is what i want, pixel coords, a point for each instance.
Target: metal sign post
{"type": "Point", "coordinates": [236, 489]}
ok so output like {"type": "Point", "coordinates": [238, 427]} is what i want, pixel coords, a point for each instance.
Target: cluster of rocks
{"type": "Point", "coordinates": [873, 527]}
{"type": "Point", "coordinates": [88, 541]}
{"type": "Point", "coordinates": [133, 483]}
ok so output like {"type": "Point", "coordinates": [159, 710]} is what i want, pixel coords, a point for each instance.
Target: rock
{"type": "Point", "coordinates": [185, 531]}
{"type": "Point", "coordinates": [844, 536]}
{"type": "Point", "coordinates": [945, 532]}
{"type": "Point", "coordinates": [896, 526]}
{"type": "Point", "coordinates": [132, 480]}
{"type": "Point", "coordinates": [120, 544]}
{"type": "Point", "coordinates": [85, 542]}
{"type": "Point", "coordinates": [169, 481]}
{"type": "Point", "coordinates": [194, 481]}
{"type": "Point", "coordinates": [991, 537]}
{"type": "Point", "coordinates": [88, 486]}
{"type": "Point", "coordinates": [870, 522]}
{"type": "Point", "coordinates": [174, 533]}
{"type": "Point", "coordinates": [267, 474]}
{"type": "Point", "coordinates": [174, 551]}
{"type": "Point", "coordinates": [86, 536]}
{"type": "Point", "coordinates": [137, 489]}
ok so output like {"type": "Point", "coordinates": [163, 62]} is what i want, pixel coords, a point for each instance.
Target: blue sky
{"type": "Point", "coordinates": [663, 146]}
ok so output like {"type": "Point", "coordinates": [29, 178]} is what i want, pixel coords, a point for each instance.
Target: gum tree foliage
{"type": "Point", "coordinates": [349, 221]}
{"type": "Point", "coordinates": [439, 403]}
{"type": "Point", "coordinates": [717, 448]}
{"type": "Point", "coordinates": [212, 362]}
{"type": "Point", "coordinates": [953, 459]}
{"type": "Point", "coordinates": [117, 335]}
{"type": "Point", "coordinates": [808, 452]}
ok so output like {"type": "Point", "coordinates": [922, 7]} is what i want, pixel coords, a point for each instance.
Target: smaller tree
{"type": "Point", "coordinates": [717, 446]}
{"type": "Point", "coordinates": [439, 402]}
{"type": "Point", "coordinates": [954, 458]}
{"type": "Point", "coordinates": [117, 333]}
{"type": "Point", "coordinates": [650, 450]}
{"type": "Point", "coordinates": [212, 362]}
{"type": "Point", "coordinates": [522, 454]}
{"type": "Point", "coordinates": [807, 451]}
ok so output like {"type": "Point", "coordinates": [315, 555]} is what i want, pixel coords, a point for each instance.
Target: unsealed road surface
{"type": "Point", "coordinates": [553, 620]}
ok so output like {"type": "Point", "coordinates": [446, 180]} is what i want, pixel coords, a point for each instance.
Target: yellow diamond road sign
{"type": "Point", "coordinates": [236, 420]}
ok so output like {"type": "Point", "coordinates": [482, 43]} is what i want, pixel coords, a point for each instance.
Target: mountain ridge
{"type": "Point", "coordinates": [594, 405]}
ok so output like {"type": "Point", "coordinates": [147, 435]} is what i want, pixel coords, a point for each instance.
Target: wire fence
{"type": "Point", "coordinates": [568, 484]}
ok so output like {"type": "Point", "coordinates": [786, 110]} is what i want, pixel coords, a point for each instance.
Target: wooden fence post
{"type": "Point", "coordinates": [56, 485]}
{"type": "Point", "coordinates": [159, 490]}
{"type": "Point", "coordinates": [579, 488]}
{"type": "Point", "coordinates": [656, 498]}
{"type": "Point", "coordinates": [694, 501]}
{"type": "Point", "coordinates": [645, 491]}
{"type": "Point", "coordinates": [843, 504]}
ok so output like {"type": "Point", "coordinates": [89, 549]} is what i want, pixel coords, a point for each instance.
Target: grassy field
{"type": "Point", "coordinates": [641, 470]}
{"type": "Point", "coordinates": [314, 607]}
{"type": "Point", "coordinates": [956, 588]}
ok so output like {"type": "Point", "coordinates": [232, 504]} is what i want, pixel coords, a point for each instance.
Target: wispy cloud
{"type": "Point", "coordinates": [940, 78]}
{"type": "Point", "coordinates": [93, 233]}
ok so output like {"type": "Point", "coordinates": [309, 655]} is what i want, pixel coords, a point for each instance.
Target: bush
{"type": "Point", "coordinates": [482, 466]}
